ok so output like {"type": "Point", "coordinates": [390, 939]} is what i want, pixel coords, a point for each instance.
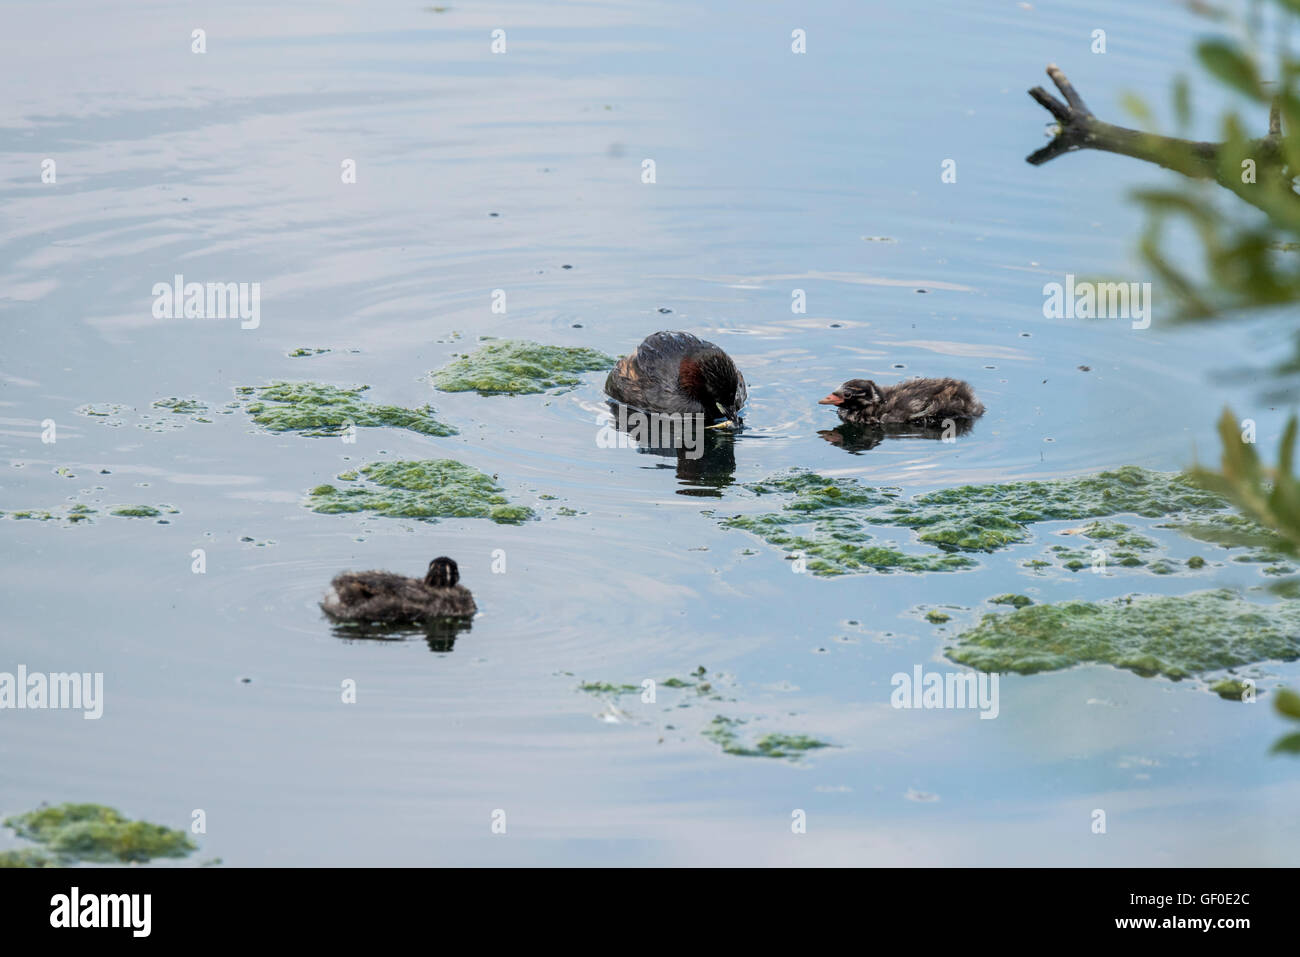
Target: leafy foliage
{"type": "Point", "coordinates": [1248, 260]}
{"type": "Point", "coordinates": [1287, 704]}
{"type": "Point", "coordinates": [1269, 496]}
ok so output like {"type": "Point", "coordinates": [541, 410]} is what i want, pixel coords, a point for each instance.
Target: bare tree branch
{"type": "Point", "coordinates": [1079, 129]}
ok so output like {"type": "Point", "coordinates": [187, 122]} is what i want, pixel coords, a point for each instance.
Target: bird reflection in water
{"type": "Point", "coordinates": [862, 438]}
{"type": "Point", "coordinates": [439, 634]}
{"type": "Point", "coordinates": [705, 456]}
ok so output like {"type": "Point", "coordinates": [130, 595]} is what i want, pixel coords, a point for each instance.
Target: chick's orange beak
{"type": "Point", "coordinates": [833, 399]}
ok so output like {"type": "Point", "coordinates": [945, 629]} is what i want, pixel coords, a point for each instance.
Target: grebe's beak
{"type": "Point", "coordinates": [833, 399]}
{"type": "Point", "coordinates": [730, 418]}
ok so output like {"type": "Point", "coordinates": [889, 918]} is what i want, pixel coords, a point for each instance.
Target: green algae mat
{"type": "Point", "coordinates": [425, 490]}
{"type": "Point", "coordinates": [310, 408]}
{"type": "Point", "coordinates": [71, 833]}
{"type": "Point", "coordinates": [315, 409]}
{"type": "Point", "coordinates": [1177, 636]}
{"type": "Point", "coordinates": [730, 734]}
{"type": "Point", "coordinates": [829, 521]}
{"type": "Point", "coordinates": [81, 514]}
{"type": "Point", "coordinates": [518, 367]}
{"type": "Point", "coordinates": [832, 525]}
{"type": "Point", "coordinates": [725, 733]}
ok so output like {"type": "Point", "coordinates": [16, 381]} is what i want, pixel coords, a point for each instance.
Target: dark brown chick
{"type": "Point", "coordinates": [917, 401]}
{"type": "Point", "coordinates": [384, 597]}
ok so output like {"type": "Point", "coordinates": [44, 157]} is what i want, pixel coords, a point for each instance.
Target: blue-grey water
{"type": "Point", "coordinates": [774, 172]}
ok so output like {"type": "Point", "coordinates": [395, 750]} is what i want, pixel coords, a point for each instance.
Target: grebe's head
{"type": "Point", "coordinates": [712, 379]}
{"type": "Point", "coordinates": [854, 394]}
{"type": "Point", "coordinates": [442, 573]}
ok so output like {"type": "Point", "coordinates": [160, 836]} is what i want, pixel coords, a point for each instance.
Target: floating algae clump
{"type": "Point", "coordinates": [1171, 635]}
{"type": "Point", "coordinates": [1230, 689]}
{"type": "Point", "coordinates": [429, 489]}
{"type": "Point", "coordinates": [72, 513]}
{"type": "Point", "coordinates": [191, 407]}
{"type": "Point", "coordinates": [609, 687]}
{"type": "Point", "coordinates": [321, 410]}
{"type": "Point", "coordinates": [722, 732]}
{"type": "Point", "coordinates": [135, 511]}
{"type": "Point", "coordinates": [114, 414]}
{"type": "Point", "coordinates": [518, 367]}
{"type": "Point", "coordinates": [1121, 534]}
{"type": "Point", "coordinates": [1017, 601]}
{"type": "Point", "coordinates": [30, 515]}
{"type": "Point", "coordinates": [92, 832]}
{"type": "Point", "coordinates": [26, 857]}
{"type": "Point", "coordinates": [836, 513]}
{"type": "Point", "coordinates": [813, 492]}
{"type": "Point", "coordinates": [604, 687]}
{"type": "Point", "coordinates": [839, 546]}
{"type": "Point", "coordinates": [970, 518]}
{"type": "Point", "coordinates": [986, 517]}
{"type": "Point", "coordinates": [102, 409]}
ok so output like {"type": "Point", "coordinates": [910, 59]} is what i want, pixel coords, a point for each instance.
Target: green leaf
{"type": "Point", "coordinates": [1226, 61]}
{"type": "Point", "coordinates": [1138, 109]}
{"type": "Point", "coordinates": [1287, 702]}
{"type": "Point", "coordinates": [1270, 497]}
{"type": "Point", "coordinates": [1287, 745]}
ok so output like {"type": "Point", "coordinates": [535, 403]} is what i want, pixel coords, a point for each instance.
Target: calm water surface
{"type": "Point", "coordinates": [774, 172]}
